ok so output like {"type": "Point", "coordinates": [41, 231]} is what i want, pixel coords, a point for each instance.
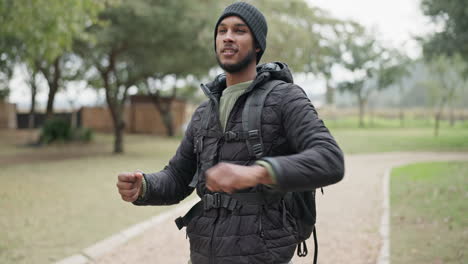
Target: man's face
{"type": "Point", "coordinates": [234, 45]}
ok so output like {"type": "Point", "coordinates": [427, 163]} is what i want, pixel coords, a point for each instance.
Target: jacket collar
{"type": "Point", "coordinates": [265, 72]}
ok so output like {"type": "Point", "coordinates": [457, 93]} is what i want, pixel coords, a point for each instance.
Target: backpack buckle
{"type": "Point", "coordinates": [258, 150]}
{"type": "Point", "coordinates": [211, 201]}
{"type": "Point", "coordinates": [253, 134]}
{"type": "Point", "coordinates": [230, 135]}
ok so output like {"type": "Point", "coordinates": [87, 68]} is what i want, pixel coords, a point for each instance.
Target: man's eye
{"type": "Point", "coordinates": [222, 31]}
{"type": "Point", "coordinates": [241, 30]}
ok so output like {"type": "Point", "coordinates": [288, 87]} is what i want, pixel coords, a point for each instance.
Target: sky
{"type": "Point", "coordinates": [396, 22]}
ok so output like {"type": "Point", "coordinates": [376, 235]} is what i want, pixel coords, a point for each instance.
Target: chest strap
{"type": "Point", "coordinates": [220, 200]}
{"type": "Point", "coordinates": [241, 135]}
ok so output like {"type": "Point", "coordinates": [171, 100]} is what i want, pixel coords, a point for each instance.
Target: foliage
{"type": "Point", "coordinates": [60, 130]}
{"type": "Point", "coordinates": [142, 39]}
{"type": "Point", "coordinates": [293, 35]}
{"type": "Point", "coordinates": [83, 134]}
{"type": "Point", "coordinates": [55, 129]}
{"type": "Point", "coordinates": [452, 18]}
{"type": "Point", "coordinates": [39, 33]}
{"type": "Point", "coordinates": [393, 68]}
{"type": "Point", "coordinates": [361, 55]}
{"type": "Point", "coordinates": [4, 92]}
{"type": "Point", "coordinates": [444, 79]}
{"type": "Point", "coordinates": [43, 29]}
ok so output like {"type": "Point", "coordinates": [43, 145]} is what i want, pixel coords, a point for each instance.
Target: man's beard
{"type": "Point", "coordinates": [237, 67]}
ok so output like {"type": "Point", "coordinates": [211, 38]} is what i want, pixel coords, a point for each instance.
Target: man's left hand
{"type": "Point", "coordinates": [226, 177]}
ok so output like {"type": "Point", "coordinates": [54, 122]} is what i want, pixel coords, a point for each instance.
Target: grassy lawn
{"type": "Point", "coordinates": [52, 209]}
{"type": "Point", "coordinates": [60, 199]}
{"type": "Point", "coordinates": [429, 222]}
{"type": "Point", "coordinates": [387, 137]}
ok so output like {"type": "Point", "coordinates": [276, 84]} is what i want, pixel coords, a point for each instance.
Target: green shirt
{"type": "Point", "coordinates": [228, 99]}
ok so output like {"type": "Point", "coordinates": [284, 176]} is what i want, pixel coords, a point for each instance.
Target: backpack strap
{"type": "Point", "coordinates": [252, 118]}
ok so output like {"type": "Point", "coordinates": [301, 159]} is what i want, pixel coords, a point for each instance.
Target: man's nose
{"type": "Point", "coordinates": [228, 37]}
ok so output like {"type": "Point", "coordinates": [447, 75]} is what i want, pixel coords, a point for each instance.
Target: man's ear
{"type": "Point", "coordinates": [257, 47]}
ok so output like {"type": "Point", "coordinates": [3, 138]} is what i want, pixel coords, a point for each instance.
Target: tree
{"type": "Point", "coordinates": [41, 33]}
{"type": "Point", "coordinates": [140, 39]}
{"type": "Point", "coordinates": [32, 80]}
{"type": "Point", "coordinates": [7, 44]}
{"type": "Point", "coordinates": [5, 74]}
{"type": "Point", "coordinates": [444, 79]}
{"type": "Point", "coordinates": [360, 56]}
{"type": "Point", "coordinates": [324, 48]}
{"type": "Point", "coordinates": [392, 71]}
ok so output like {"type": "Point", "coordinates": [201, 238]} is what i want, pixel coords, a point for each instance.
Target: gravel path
{"type": "Point", "coordinates": [347, 226]}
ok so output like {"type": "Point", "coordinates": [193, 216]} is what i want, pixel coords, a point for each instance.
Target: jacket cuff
{"type": "Point", "coordinates": [268, 167]}
{"type": "Point", "coordinates": [275, 168]}
{"type": "Point", "coordinates": [142, 197]}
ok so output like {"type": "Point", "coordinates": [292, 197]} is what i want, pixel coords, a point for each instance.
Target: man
{"type": "Point", "coordinates": [237, 223]}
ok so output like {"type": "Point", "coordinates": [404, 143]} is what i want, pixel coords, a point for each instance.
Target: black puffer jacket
{"type": "Point", "coordinates": [299, 147]}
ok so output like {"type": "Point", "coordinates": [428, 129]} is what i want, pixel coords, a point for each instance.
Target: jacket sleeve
{"type": "Point", "coordinates": [318, 160]}
{"type": "Point", "coordinates": [171, 185]}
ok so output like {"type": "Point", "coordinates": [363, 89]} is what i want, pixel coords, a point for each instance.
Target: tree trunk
{"type": "Point", "coordinates": [74, 119]}
{"type": "Point", "coordinates": [167, 119]}
{"type": "Point", "coordinates": [401, 115]}
{"type": "Point", "coordinates": [452, 114]}
{"type": "Point", "coordinates": [53, 87]}
{"type": "Point", "coordinates": [165, 110]}
{"type": "Point", "coordinates": [371, 111]}
{"type": "Point", "coordinates": [118, 137]}
{"type": "Point", "coordinates": [330, 93]}
{"type": "Point", "coordinates": [116, 112]}
{"type": "Point", "coordinates": [438, 116]}
{"type": "Point", "coordinates": [115, 109]}
{"type": "Point", "coordinates": [361, 111]}
{"type": "Point", "coordinates": [436, 126]}
{"type": "Point", "coordinates": [32, 110]}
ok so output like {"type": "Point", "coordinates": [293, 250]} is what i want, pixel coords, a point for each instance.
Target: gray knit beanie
{"type": "Point", "coordinates": [253, 18]}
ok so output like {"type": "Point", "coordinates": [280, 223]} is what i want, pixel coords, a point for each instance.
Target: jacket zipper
{"type": "Point", "coordinates": [216, 110]}
{"type": "Point", "coordinates": [215, 224]}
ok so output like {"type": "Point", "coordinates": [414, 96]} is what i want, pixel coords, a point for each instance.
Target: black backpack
{"type": "Point", "coordinates": [300, 204]}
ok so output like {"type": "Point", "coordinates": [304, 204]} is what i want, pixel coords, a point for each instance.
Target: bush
{"type": "Point", "coordinates": [55, 129]}
{"type": "Point", "coordinates": [83, 134]}
{"type": "Point", "coordinates": [59, 130]}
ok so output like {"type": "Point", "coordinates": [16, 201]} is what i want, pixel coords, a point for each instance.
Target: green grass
{"type": "Point", "coordinates": [429, 220]}
{"type": "Point", "coordinates": [385, 135]}
{"type": "Point", "coordinates": [354, 140]}
{"type": "Point", "coordinates": [378, 122]}
{"type": "Point", "coordinates": [53, 209]}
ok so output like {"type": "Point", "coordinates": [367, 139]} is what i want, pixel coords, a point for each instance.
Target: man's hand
{"type": "Point", "coordinates": [226, 177]}
{"type": "Point", "coordinates": [129, 185]}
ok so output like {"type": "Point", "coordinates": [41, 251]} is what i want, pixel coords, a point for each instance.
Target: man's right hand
{"type": "Point", "coordinates": [129, 185]}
